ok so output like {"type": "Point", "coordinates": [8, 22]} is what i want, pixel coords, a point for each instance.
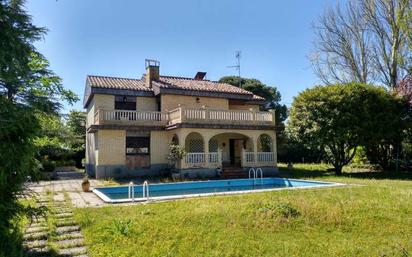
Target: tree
{"type": "Point", "coordinates": [336, 119]}
{"type": "Point", "coordinates": [385, 127]}
{"type": "Point", "coordinates": [271, 94]}
{"type": "Point", "coordinates": [18, 127]}
{"type": "Point", "coordinates": [406, 26]}
{"type": "Point", "coordinates": [27, 87]}
{"type": "Point", "coordinates": [362, 42]}
{"type": "Point", "coordinates": [76, 125]}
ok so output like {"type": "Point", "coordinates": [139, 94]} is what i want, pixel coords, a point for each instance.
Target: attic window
{"type": "Point", "coordinates": [125, 103]}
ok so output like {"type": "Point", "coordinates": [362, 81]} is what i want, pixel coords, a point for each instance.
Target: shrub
{"type": "Point", "coordinates": [282, 210]}
{"type": "Point", "coordinates": [121, 227]}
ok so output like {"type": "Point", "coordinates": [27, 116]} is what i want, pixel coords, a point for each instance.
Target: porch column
{"type": "Point", "coordinates": [182, 143]}
{"type": "Point", "coordinates": [206, 150]}
{"type": "Point", "coordinates": [255, 149]}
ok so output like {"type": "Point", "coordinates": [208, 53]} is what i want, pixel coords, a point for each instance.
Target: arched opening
{"type": "Point", "coordinates": [265, 149]}
{"type": "Point", "coordinates": [265, 143]}
{"type": "Point", "coordinates": [231, 146]}
{"type": "Point", "coordinates": [194, 143]}
{"type": "Point", "coordinates": [194, 146]}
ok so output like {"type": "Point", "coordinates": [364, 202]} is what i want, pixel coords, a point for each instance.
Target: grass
{"type": "Point", "coordinates": [374, 219]}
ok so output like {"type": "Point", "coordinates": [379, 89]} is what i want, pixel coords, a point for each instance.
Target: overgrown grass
{"type": "Point", "coordinates": [370, 220]}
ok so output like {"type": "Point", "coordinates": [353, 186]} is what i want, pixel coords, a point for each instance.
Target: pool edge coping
{"type": "Point", "coordinates": [186, 196]}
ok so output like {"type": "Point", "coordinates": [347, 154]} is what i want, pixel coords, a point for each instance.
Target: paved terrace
{"type": "Point", "coordinates": [70, 182]}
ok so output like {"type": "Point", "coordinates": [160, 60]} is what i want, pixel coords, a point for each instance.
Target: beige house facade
{"type": "Point", "coordinates": [132, 122]}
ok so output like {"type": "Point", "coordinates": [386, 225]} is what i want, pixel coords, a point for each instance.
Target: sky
{"type": "Point", "coordinates": [114, 37]}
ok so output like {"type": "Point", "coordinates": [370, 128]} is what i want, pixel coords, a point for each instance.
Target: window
{"type": "Point", "coordinates": [125, 103]}
{"type": "Point", "coordinates": [137, 145]}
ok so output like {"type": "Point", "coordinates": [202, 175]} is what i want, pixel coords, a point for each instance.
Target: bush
{"type": "Point", "coordinates": [281, 210]}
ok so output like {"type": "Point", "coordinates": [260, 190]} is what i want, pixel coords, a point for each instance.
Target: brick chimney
{"type": "Point", "coordinates": [152, 71]}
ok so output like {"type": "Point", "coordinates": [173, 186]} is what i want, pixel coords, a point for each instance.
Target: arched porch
{"type": "Point", "coordinates": [210, 149]}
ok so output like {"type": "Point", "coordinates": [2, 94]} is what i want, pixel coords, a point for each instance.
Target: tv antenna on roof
{"type": "Point", "coordinates": [237, 55]}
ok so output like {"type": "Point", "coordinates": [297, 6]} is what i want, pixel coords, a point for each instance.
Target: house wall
{"type": "Point", "coordinates": [104, 101]}
{"type": "Point", "coordinates": [111, 147]}
{"type": "Point", "coordinates": [90, 113]}
{"type": "Point", "coordinates": [146, 104]}
{"type": "Point", "coordinates": [159, 147]}
{"type": "Point", "coordinates": [254, 107]}
{"type": "Point", "coordinates": [170, 102]}
{"type": "Point", "coordinates": [106, 151]}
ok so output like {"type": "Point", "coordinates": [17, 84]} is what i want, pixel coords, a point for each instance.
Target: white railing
{"type": "Point", "coordinates": [181, 114]}
{"type": "Point", "coordinates": [249, 157]}
{"type": "Point", "coordinates": [195, 114]}
{"type": "Point", "coordinates": [228, 115]}
{"type": "Point", "coordinates": [121, 115]}
{"type": "Point", "coordinates": [195, 158]}
{"type": "Point", "coordinates": [265, 157]}
{"type": "Point", "coordinates": [200, 158]}
{"type": "Point", "coordinates": [214, 157]}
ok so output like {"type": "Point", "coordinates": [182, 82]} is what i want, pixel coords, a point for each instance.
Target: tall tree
{"type": "Point", "coordinates": [336, 119]}
{"type": "Point", "coordinates": [362, 41]}
{"type": "Point", "coordinates": [76, 124]}
{"type": "Point", "coordinates": [27, 86]}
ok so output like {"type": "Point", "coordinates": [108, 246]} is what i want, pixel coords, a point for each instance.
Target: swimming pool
{"type": "Point", "coordinates": [166, 191]}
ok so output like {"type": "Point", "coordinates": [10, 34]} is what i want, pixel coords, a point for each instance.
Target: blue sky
{"type": "Point", "coordinates": [113, 38]}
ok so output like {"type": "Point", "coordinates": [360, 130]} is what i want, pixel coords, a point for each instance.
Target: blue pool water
{"type": "Point", "coordinates": [184, 189]}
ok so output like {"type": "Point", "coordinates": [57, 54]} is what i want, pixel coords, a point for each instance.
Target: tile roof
{"type": "Point", "coordinates": [117, 83]}
{"type": "Point", "coordinates": [169, 82]}
{"type": "Point", "coordinates": [199, 85]}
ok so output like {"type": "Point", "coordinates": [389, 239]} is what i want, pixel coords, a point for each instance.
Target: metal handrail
{"type": "Point", "coordinates": [145, 189]}
{"type": "Point", "coordinates": [252, 170]}
{"type": "Point", "coordinates": [131, 190]}
{"type": "Point", "coordinates": [261, 174]}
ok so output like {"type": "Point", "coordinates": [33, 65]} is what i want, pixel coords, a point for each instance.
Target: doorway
{"type": "Point", "coordinates": [235, 152]}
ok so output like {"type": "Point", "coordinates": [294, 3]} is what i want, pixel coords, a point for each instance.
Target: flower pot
{"type": "Point", "coordinates": [86, 187]}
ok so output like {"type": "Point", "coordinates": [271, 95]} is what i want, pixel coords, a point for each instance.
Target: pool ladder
{"type": "Point", "coordinates": [255, 174]}
{"type": "Point", "coordinates": [145, 190]}
{"type": "Point", "coordinates": [131, 190]}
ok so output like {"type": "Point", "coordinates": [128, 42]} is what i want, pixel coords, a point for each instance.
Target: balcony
{"type": "Point", "coordinates": [109, 117]}
{"type": "Point", "coordinates": [184, 115]}
{"type": "Point", "coordinates": [222, 117]}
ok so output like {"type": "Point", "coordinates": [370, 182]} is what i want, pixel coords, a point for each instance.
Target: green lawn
{"type": "Point", "coordinates": [374, 219]}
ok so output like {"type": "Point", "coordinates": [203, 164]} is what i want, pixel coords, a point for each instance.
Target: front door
{"type": "Point", "coordinates": [235, 151]}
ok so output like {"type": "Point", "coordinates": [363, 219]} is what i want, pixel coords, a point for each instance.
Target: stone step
{"type": "Point", "coordinates": [64, 215]}
{"type": "Point", "coordinates": [70, 243]}
{"type": "Point", "coordinates": [73, 251]}
{"type": "Point", "coordinates": [70, 235]}
{"type": "Point", "coordinates": [35, 244]}
{"type": "Point", "coordinates": [37, 224]}
{"type": "Point", "coordinates": [36, 229]}
{"type": "Point", "coordinates": [65, 222]}
{"type": "Point", "coordinates": [65, 229]}
{"type": "Point", "coordinates": [58, 211]}
{"type": "Point", "coordinates": [36, 235]}
{"type": "Point", "coordinates": [38, 252]}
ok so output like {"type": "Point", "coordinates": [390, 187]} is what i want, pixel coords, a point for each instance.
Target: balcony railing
{"type": "Point", "coordinates": [130, 117]}
{"type": "Point", "coordinates": [183, 115]}
{"type": "Point", "coordinates": [206, 116]}
{"type": "Point", "coordinates": [260, 157]}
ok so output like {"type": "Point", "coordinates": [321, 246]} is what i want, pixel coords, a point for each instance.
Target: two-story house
{"type": "Point", "coordinates": [131, 123]}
